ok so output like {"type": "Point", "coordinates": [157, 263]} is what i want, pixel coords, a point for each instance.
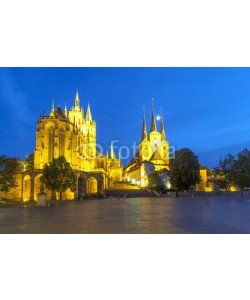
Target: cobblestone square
{"type": "Point", "coordinates": [132, 216]}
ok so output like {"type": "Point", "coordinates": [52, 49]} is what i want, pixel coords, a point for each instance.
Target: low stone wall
{"type": "Point", "coordinates": [207, 194]}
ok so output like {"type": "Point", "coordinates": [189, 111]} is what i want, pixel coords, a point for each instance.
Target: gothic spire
{"type": "Point", "coordinates": [144, 127]}
{"type": "Point", "coordinates": [77, 100]}
{"type": "Point", "coordinates": [153, 122]}
{"type": "Point", "coordinates": [65, 110]}
{"type": "Point", "coordinates": [88, 115]}
{"type": "Point", "coordinates": [52, 113]}
{"type": "Point", "coordinates": [112, 152]}
{"type": "Point", "coordinates": [163, 133]}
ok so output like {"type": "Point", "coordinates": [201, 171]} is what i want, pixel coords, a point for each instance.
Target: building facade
{"type": "Point", "coordinates": [72, 134]}
{"type": "Point", "coordinates": [152, 155]}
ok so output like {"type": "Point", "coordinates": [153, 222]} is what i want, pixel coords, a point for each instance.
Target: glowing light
{"type": "Point", "coordinates": [158, 118]}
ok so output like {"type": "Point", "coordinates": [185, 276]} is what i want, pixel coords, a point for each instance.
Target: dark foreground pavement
{"type": "Point", "coordinates": [139, 215]}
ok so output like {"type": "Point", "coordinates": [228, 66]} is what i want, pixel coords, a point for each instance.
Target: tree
{"type": "Point", "coordinates": [29, 162]}
{"type": "Point", "coordinates": [223, 172]}
{"type": "Point", "coordinates": [58, 176]}
{"type": "Point", "coordinates": [8, 169]}
{"type": "Point", "coordinates": [184, 170]}
{"type": "Point", "coordinates": [234, 170]}
{"type": "Point", "coordinates": [240, 173]}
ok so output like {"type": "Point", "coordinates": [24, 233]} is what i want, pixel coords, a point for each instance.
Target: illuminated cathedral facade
{"type": "Point", "coordinates": [152, 155]}
{"type": "Point", "coordinates": [72, 134]}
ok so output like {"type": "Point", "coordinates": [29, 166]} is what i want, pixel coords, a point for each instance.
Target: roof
{"type": "Point", "coordinates": [60, 114]}
{"type": "Point", "coordinates": [156, 156]}
{"type": "Point", "coordinates": [136, 158]}
{"type": "Point", "coordinates": [100, 154]}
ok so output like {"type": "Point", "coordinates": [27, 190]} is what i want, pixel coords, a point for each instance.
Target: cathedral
{"type": "Point", "coordinates": [72, 134]}
{"type": "Point", "coordinates": [152, 155]}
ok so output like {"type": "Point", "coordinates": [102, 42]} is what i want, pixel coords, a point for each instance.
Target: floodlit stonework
{"type": "Point", "coordinates": [71, 134]}
{"type": "Point", "coordinates": [152, 156]}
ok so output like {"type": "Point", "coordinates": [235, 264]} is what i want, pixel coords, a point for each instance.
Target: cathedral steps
{"type": "Point", "coordinates": [123, 190]}
{"type": "Point", "coordinates": [122, 186]}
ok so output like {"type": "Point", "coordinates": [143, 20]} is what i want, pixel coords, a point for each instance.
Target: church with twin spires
{"type": "Point", "coordinates": [152, 155]}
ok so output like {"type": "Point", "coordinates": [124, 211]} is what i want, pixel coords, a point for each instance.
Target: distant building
{"type": "Point", "coordinates": [205, 185]}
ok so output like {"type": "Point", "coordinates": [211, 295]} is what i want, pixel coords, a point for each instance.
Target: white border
{"type": "Point", "coordinates": [117, 33]}
{"type": "Point", "coordinates": [124, 33]}
{"type": "Point", "coordinates": [124, 267]}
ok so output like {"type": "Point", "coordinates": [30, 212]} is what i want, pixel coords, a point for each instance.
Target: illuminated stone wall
{"type": "Point", "coordinates": [71, 134]}
{"type": "Point", "coordinates": [204, 185]}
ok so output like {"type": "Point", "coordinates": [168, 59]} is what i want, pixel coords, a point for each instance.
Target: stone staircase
{"type": "Point", "coordinates": [124, 190]}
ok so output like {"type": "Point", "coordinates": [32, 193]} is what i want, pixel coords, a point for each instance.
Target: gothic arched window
{"type": "Point", "coordinates": [61, 142]}
{"type": "Point", "coordinates": [51, 144]}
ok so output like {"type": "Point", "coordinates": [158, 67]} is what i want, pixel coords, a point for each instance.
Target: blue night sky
{"type": "Point", "coordinates": [205, 109]}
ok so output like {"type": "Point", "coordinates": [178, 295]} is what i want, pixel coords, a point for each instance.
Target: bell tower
{"type": "Point", "coordinates": [154, 136]}
{"type": "Point", "coordinates": [164, 149]}
{"type": "Point", "coordinates": [145, 148]}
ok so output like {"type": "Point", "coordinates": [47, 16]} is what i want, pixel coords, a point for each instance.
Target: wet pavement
{"type": "Point", "coordinates": [139, 215]}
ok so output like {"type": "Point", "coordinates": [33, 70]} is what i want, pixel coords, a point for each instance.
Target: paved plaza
{"type": "Point", "coordinates": [138, 215]}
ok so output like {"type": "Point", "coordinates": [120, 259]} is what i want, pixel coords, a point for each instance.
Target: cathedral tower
{"type": "Point", "coordinates": [164, 149]}
{"type": "Point", "coordinates": [154, 136]}
{"type": "Point", "coordinates": [144, 147]}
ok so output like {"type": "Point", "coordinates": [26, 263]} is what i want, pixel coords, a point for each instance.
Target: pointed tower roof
{"type": "Point", "coordinates": [156, 156]}
{"type": "Point", "coordinates": [136, 158]}
{"type": "Point", "coordinates": [163, 133]}
{"type": "Point", "coordinates": [88, 115]}
{"type": "Point", "coordinates": [77, 100]}
{"type": "Point", "coordinates": [144, 127]}
{"type": "Point", "coordinates": [52, 113]}
{"type": "Point", "coordinates": [65, 109]}
{"type": "Point", "coordinates": [112, 152]}
{"type": "Point", "coordinates": [153, 122]}
{"type": "Point", "coordinates": [60, 114]}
